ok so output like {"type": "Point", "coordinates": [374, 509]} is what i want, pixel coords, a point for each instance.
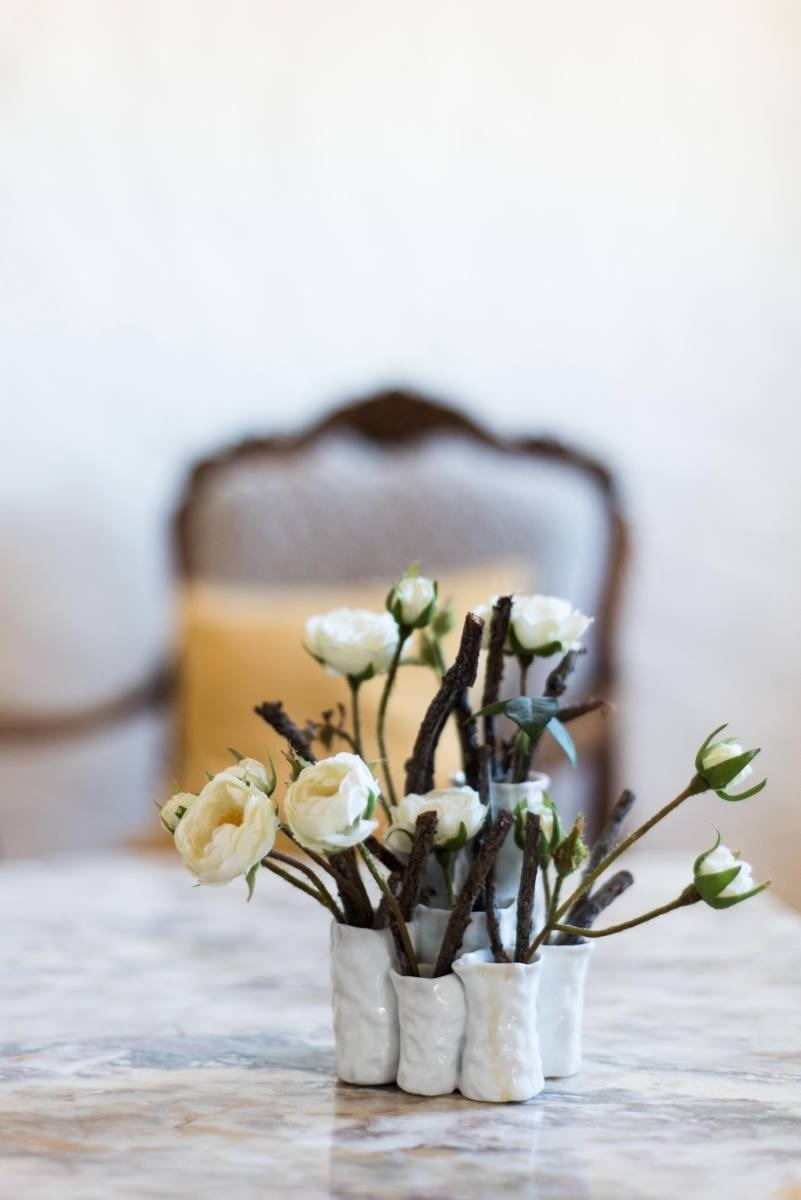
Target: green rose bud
{"type": "Point", "coordinates": [722, 879]}
{"type": "Point", "coordinates": [720, 764]}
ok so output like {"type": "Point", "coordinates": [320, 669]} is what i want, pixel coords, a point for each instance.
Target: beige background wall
{"type": "Point", "coordinates": [580, 217]}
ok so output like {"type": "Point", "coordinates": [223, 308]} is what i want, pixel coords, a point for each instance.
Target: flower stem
{"type": "Point", "coordinates": [693, 788]}
{"type": "Point", "coordinates": [525, 663]}
{"type": "Point", "coordinates": [355, 684]}
{"type": "Point", "coordinates": [403, 633]}
{"type": "Point", "coordinates": [319, 893]}
{"type": "Point", "coordinates": [445, 860]}
{"type": "Point", "coordinates": [394, 908]}
{"type": "Point", "coordinates": [688, 896]}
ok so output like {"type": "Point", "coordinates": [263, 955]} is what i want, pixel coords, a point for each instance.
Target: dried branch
{"type": "Point", "coordinates": [556, 683]}
{"type": "Point", "coordinates": [460, 917]}
{"type": "Point", "coordinates": [425, 827]}
{"type": "Point", "coordinates": [574, 711]}
{"type": "Point", "coordinates": [586, 911]}
{"type": "Point", "coordinates": [282, 723]}
{"type": "Point", "coordinates": [381, 918]}
{"type": "Point", "coordinates": [493, 925]}
{"type": "Point", "coordinates": [528, 883]}
{"type": "Point", "coordinates": [462, 675]}
{"type": "Point", "coordinates": [468, 738]}
{"type": "Point", "coordinates": [493, 674]}
{"type": "Point", "coordinates": [611, 831]}
{"type": "Point", "coordinates": [384, 855]}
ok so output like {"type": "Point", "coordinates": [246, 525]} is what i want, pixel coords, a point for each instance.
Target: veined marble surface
{"type": "Point", "coordinates": [160, 1040]}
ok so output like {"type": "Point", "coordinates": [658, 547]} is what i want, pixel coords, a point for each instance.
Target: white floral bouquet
{"type": "Point", "coordinates": [464, 911]}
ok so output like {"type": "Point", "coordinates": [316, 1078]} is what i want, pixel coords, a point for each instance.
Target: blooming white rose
{"type": "Point", "coordinates": [412, 601]}
{"type": "Point", "coordinates": [536, 803]}
{"type": "Point", "coordinates": [228, 828]}
{"type": "Point", "coordinates": [175, 808]}
{"type": "Point", "coordinates": [722, 752]}
{"type": "Point", "coordinates": [542, 621]}
{"type": "Point", "coordinates": [353, 641]}
{"type": "Point", "coordinates": [457, 808]}
{"type": "Point", "coordinates": [329, 806]}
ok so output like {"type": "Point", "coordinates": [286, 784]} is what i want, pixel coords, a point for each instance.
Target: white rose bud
{"type": "Point", "coordinates": [329, 807]}
{"type": "Point", "coordinates": [540, 807]}
{"type": "Point", "coordinates": [229, 828]}
{"type": "Point", "coordinates": [545, 625]}
{"type": "Point", "coordinates": [175, 808]}
{"type": "Point", "coordinates": [413, 601]}
{"type": "Point", "coordinates": [353, 641]}
{"type": "Point", "coordinates": [721, 752]}
{"type": "Point", "coordinates": [722, 879]}
{"type": "Point", "coordinates": [460, 815]}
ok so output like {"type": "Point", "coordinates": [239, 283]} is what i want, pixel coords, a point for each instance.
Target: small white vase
{"type": "Point", "coordinates": [364, 1004]}
{"type": "Point", "coordinates": [560, 1007]}
{"type": "Point", "coordinates": [430, 924]}
{"type": "Point", "coordinates": [501, 1059]}
{"type": "Point", "coordinates": [504, 797]}
{"type": "Point", "coordinates": [431, 1014]}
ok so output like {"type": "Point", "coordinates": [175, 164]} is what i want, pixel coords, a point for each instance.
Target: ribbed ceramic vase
{"type": "Point", "coordinates": [560, 1007]}
{"type": "Point", "coordinates": [501, 1059]}
{"type": "Point", "coordinates": [364, 1004]}
{"type": "Point", "coordinates": [430, 925]}
{"type": "Point", "coordinates": [431, 1016]}
{"type": "Point", "coordinates": [505, 797]}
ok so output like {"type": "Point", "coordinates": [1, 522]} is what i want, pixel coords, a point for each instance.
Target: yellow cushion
{"type": "Point", "coordinates": [244, 645]}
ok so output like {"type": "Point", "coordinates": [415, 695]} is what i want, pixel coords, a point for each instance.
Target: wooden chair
{"type": "Point", "coordinates": [398, 477]}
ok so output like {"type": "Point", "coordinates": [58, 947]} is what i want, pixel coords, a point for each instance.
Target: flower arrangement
{"type": "Point", "coordinates": [463, 914]}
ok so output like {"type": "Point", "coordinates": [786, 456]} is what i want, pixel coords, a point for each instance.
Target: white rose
{"type": "Point", "coordinates": [541, 621]}
{"type": "Point", "coordinates": [412, 601]}
{"type": "Point", "coordinates": [175, 808]}
{"type": "Point", "coordinates": [455, 807]}
{"type": "Point", "coordinates": [329, 806]}
{"type": "Point", "coordinates": [229, 827]}
{"type": "Point", "coordinates": [536, 804]}
{"type": "Point", "coordinates": [721, 752]}
{"type": "Point", "coordinates": [353, 641]}
{"type": "Point", "coordinates": [722, 859]}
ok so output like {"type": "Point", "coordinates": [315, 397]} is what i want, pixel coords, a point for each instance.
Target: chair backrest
{"type": "Point", "coordinates": [396, 478]}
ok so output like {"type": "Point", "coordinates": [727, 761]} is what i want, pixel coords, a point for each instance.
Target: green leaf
{"type": "Point", "coordinates": [273, 778]}
{"type": "Point", "coordinates": [547, 651]}
{"type": "Point", "coordinates": [529, 713]}
{"type": "Point", "coordinates": [752, 791]}
{"type": "Point", "coordinates": [705, 746]}
{"type": "Point", "coordinates": [456, 842]}
{"type": "Point", "coordinates": [729, 901]}
{"type": "Point", "coordinates": [208, 775]}
{"type": "Point", "coordinates": [370, 809]}
{"type": "Point", "coordinates": [250, 880]}
{"type": "Point", "coordinates": [237, 756]}
{"type": "Point", "coordinates": [724, 772]}
{"type": "Point", "coordinates": [701, 857]}
{"type": "Point", "coordinates": [563, 739]}
{"type": "Point", "coordinates": [709, 885]}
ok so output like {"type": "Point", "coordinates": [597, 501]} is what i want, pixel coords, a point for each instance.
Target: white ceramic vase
{"type": "Point", "coordinates": [504, 797]}
{"type": "Point", "coordinates": [560, 1007]}
{"type": "Point", "coordinates": [501, 1059]}
{"type": "Point", "coordinates": [364, 1004]}
{"type": "Point", "coordinates": [430, 924]}
{"type": "Point", "coordinates": [431, 1015]}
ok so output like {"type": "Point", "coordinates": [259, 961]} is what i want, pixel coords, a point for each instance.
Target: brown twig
{"type": "Point", "coordinates": [425, 827]}
{"type": "Point", "coordinates": [384, 855]}
{"type": "Point", "coordinates": [282, 723]}
{"type": "Point", "coordinates": [462, 675]}
{"type": "Point", "coordinates": [493, 925]}
{"type": "Point", "coordinates": [586, 911]}
{"type": "Point", "coordinates": [556, 683]}
{"type": "Point", "coordinates": [326, 865]}
{"type": "Point", "coordinates": [611, 830]}
{"type": "Point", "coordinates": [493, 673]}
{"type": "Point", "coordinates": [381, 918]}
{"type": "Point", "coordinates": [574, 711]}
{"type": "Point", "coordinates": [528, 883]}
{"type": "Point", "coordinates": [460, 917]}
{"type": "Point", "coordinates": [349, 866]}
{"type": "Point", "coordinates": [468, 738]}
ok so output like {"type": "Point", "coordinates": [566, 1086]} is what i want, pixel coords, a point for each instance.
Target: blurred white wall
{"type": "Point", "coordinates": [578, 217]}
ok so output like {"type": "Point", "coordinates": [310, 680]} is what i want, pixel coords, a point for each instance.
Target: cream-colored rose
{"type": "Point", "coordinates": [541, 621]}
{"type": "Point", "coordinates": [536, 803]}
{"type": "Point", "coordinates": [412, 601]}
{"type": "Point", "coordinates": [228, 829]}
{"type": "Point", "coordinates": [722, 752]}
{"type": "Point", "coordinates": [175, 808]}
{"type": "Point", "coordinates": [329, 806]}
{"type": "Point", "coordinates": [353, 641]}
{"type": "Point", "coordinates": [456, 807]}
{"type": "Point", "coordinates": [721, 859]}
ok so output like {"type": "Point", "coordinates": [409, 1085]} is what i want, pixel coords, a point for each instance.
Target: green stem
{"type": "Point", "coordinates": [319, 893]}
{"type": "Point", "coordinates": [546, 887]}
{"type": "Point", "coordinates": [403, 634]}
{"type": "Point", "coordinates": [525, 663]}
{"type": "Point", "coordinates": [354, 685]}
{"type": "Point", "coordinates": [555, 900]}
{"type": "Point", "coordinates": [688, 896]}
{"type": "Point", "coordinates": [394, 908]}
{"type": "Point", "coordinates": [693, 788]}
{"type": "Point", "coordinates": [445, 860]}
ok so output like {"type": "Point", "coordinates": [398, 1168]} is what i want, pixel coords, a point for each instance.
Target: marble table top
{"type": "Point", "coordinates": [160, 1040]}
